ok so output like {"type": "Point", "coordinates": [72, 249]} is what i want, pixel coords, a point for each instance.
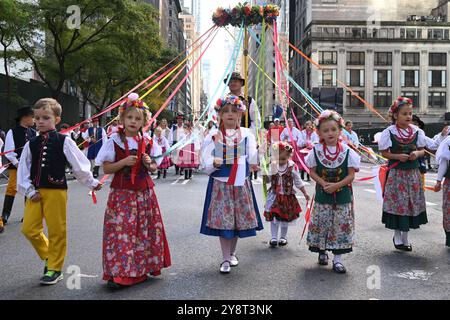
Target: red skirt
{"type": "Point", "coordinates": [134, 240]}
{"type": "Point", "coordinates": [166, 163]}
{"type": "Point", "coordinates": [285, 208]}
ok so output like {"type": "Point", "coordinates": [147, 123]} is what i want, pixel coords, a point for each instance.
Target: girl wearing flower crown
{"type": "Point", "coordinates": [282, 207]}
{"type": "Point", "coordinates": [332, 165]}
{"type": "Point", "coordinates": [403, 144]}
{"type": "Point", "coordinates": [230, 211]}
{"type": "Point", "coordinates": [134, 240]}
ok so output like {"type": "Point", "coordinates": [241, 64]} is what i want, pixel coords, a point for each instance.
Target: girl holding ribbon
{"type": "Point", "coordinates": [404, 206]}
{"type": "Point", "coordinates": [229, 155]}
{"type": "Point", "coordinates": [134, 240]}
{"type": "Point", "coordinates": [282, 207]}
{"type": "Point", "coordinates": [332, 165]}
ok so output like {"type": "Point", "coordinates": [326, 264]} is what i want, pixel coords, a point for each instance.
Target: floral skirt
{"type": "Point", "coordinates": [134, 240]}
{"type": "Point", "coordinates": [282, 207]}
{"type": "Point", "coordinates": [331, 228]}
{"type": "Point", "coordinates": [446, 209]}
{"type": "Point", "coordinates": [230, 211]}
{"type": "Point", "coordinates": [404, 204]}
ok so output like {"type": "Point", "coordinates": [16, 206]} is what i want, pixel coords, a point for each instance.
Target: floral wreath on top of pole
{"type": "Point", "coordinates": [251, 15]}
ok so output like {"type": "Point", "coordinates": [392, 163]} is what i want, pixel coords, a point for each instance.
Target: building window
{"type": "Point", "coordinates": [409, 78]}
{"type": "Point", "coordinates": [328, 57]}
{"type": "Point", "coordinates": [355, 58]}
{"type": "Point", "coordinates": [355, 78]}
{"type": "Point", "coordinates": [382, 78]}
{"type": "Point", "coordinates": [436, 34]}
{"type": "Point", "coordinates": [383, 58]}
{"type": "Point", "coordinates": [382, 99]}
{"type": "Point", "coordinates": [410, 33]}
{"type": "Point", "coordinates": [437, 78]}
{"type": "Point", "coordinates": [170, 24]}
{"type": "Point", "coordinates": [327, 78]}
{"type": "Point", "coordinates": [353, 102]}
{"type": "Point", "coordinates": [437, 99]}
{"type": "Point", "coordinates": [438, 59]}
{"type": "Point", "coordinates": [355, 33]}
{"type": "Point", "coordinates": [446, 34]}
{"type": "Point", "coordinates": [410, 59]}
{"type": "Point", "coordinates": [414, 96]}
{"type": "Point", "coordinates": [170, 13]}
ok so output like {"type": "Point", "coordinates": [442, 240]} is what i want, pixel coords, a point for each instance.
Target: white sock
{"type": "Point", "coordinates": [233, 245]}
{"type": "Point", "coordinates": [337, 258]}
{"type": "Point", "coordinates": [284, 230]}
{"type": "Point", "coordinates": [398, 237]}
{"type": "Point", "coordinates": [225, 244]}
{"type": "Point", "coordinates": [274, 229]}
{"type": "Point", "coordinates": [405, 238]}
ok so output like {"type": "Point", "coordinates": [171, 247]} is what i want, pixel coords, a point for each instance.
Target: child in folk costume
{"type": "Point", "coordinates": [282, 206]}
{"type": "Point", "coordinates": [403, 144]}
{"type": "Point", "coordinates": [41, 178]}
{"type": "Point", "coordinates": [443, 158]}
{"type": "Point", "coordinates": [96, 137]}
{"type": "Point", "coordinates": [230, 209]}
{"type": "Point", "coordinates": [307, 139]}
{"type": "Point", "coordinates": [164, 144]}
{"type": "Point", "coordinates": [333, 167]}
{"type": "Point", "coordinates": [188, 155]}
{"type": "Point", "coordinates": [15, 140]}
{"type": "Point", "coordinates": [134, 240]}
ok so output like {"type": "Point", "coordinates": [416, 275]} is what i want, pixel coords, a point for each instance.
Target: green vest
{"type": "Point", "coordinates": [399, 148]}
{"type": "Point", "coordinates": [341, 196]}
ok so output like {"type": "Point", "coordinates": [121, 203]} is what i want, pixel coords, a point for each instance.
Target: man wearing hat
{"type": "Point", "coordinates": [15, 140]}
{"type": "Point", "coordinates": [95, 136]}
{"type": "Point", "coordinates": [251, 113]}
{"type": "Point", "coordinates": [176, 132]}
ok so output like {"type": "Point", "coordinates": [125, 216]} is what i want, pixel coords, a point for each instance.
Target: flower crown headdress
{"type": "Point", "coordinates": [282, 146]}
{"type": "Point", "coordinates": [230, 99]}
{"type": "Point", "coordinates": [400, 101]}
{"type": "Point", "coordinates": [329, 115]}
{"type": "Point", "coordinates": [133, 101]}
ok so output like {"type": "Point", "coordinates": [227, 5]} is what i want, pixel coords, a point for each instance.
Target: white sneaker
{"type": "Point", "coordinates": [225, 267]}
{"type": "Point", "coordinates": [234, 261]}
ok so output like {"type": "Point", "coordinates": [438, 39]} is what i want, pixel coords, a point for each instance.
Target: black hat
{"type": "Point", "coordinates": [180, 116]}
{"type": "Point", "coordinates": [24, 112]}
{"type": "Point", "coordinates": [235, 76]}
{"type": "Point", "coordinates": [420, 123]}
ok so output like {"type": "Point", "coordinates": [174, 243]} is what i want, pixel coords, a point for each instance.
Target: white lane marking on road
{"type": "Point", "coordinates": [370, 190]}
{"type": "Point", "coordinates": [86, 276]}
{"type": "Point", "coordinates": [3, 185]}
{"type": "Point", "coordinates": [414, 275]}
{"type": "Point", "coordinates": [185, 181]}
{"type": "Point", "coordinates": [431, 204]}
{"type": "Point", "coordinates": [176, 181]}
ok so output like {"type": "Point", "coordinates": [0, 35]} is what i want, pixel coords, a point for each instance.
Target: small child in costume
{"type": "Point", "coordinates": [333, 167]}
{"type": "Point", "coordinates": [230, 211]}
{"type": "Point", "coordinates": [443, 158]}
{"type": "Point", "coordinates": [134, 240]}
{"type": "Point", "coordinates": [404, 206]}
{"type": "Point", "coordinates": [41, 178]}
{"type": "Point", "coordinates": [282, 206]}
{"type": "Point", "coordinates": [162, 141]}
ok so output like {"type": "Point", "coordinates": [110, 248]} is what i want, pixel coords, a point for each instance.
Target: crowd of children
{"type": "Point", "coordinates": [134, 239]}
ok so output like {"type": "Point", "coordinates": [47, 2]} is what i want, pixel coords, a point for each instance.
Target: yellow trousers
{"type": "Point", "coordinates": [52, 208]}
{"type": "Point", "coordinates": [11, 189]}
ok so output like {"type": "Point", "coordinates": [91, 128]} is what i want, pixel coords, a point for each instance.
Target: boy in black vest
{"type": "Point", "coordinates": [15, 140]}
{"type": "Point", "coordinates": [41, 178]}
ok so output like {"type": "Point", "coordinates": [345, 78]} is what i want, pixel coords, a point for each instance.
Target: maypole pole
{"type": "Point", "coordinates": [245, 62]}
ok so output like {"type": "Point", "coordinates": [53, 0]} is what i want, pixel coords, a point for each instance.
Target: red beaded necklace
{"type": "Point", "coordinates": [332, 156]}
{"type": "Point", "coordinates": [405, 137]}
